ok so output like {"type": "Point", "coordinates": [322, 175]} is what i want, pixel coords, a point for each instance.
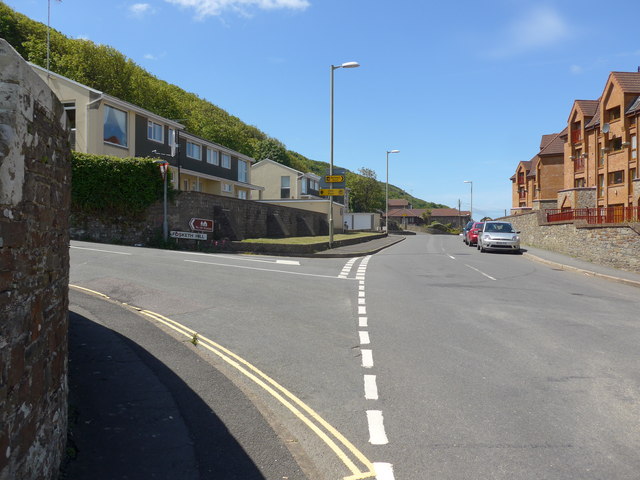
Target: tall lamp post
{"type": "Point", "coordinates": [164, 166]}
{"type": "Point", "coordinates": [471, 182]}
{"type": "Point", "coordinates": [386, 196]}
{"type": "Point", "coordinates": [334, 67]}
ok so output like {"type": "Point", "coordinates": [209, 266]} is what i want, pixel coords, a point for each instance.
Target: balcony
{"type": "Point", "coordinates": [596, 216]}
{"type": "Point", "coordinates": [578, 165]}
{"type": "Point", "coordinates": [576, 136]}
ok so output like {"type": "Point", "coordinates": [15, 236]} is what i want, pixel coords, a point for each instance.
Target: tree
{"type": "Point", "coordinates": [426, 216]}
{"type": "Point", "coordinates": [366, 193]}
{"type": "Point", "coordinates": [273, 150]}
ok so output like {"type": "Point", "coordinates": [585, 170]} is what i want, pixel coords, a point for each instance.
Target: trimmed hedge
{"type": "Point", "coordinates": [116, 186]}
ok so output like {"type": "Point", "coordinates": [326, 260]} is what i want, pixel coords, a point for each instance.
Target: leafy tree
{"type": "Point", "coordinates": [273, 150]}
{"type": "Point", "coordinates": [426, 216]}
{"type": "Point", "coordinates": [366, 193]}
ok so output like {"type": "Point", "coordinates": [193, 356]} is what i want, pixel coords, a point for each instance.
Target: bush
{"type": "Point", "coordinates": [113, 185]}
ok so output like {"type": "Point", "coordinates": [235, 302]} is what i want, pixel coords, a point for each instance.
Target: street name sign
{"type": "Point", "coordinates": [201, 224]}
{"type": "Point", "coordinates": [188, 235]}
{"type": "Point", "coordinates": [331, 192]}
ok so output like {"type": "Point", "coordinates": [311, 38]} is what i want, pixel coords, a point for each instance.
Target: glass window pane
{"type": "Point", "coordinates": [115, 126]}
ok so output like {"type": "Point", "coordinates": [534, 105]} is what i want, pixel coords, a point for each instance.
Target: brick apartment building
{"type": "Point", "coordinates": [598, 151]}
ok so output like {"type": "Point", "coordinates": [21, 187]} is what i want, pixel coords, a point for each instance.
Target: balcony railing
{"type": "Point", "coordinates": [522, 195]}
{"type": "Point", "coordinates": [578, 165]}
{"type": "Point", "coordinates": [596, 216]}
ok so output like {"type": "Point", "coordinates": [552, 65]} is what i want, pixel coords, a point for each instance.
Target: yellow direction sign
{"type": "Point", "coordinates": [334, 178]}
{"type": "Point", "coordinates": [328, 192]}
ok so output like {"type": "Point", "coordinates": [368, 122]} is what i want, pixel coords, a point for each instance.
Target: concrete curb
{"type": "Point", "coordinates": [610, 278]}
{"type": "Point", "coordinates": [354, 254]}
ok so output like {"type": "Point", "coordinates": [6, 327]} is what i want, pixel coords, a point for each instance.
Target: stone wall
{"type": "Point", "coordinates": [234, 219]}
{"type": "Point", "coordinates": [35, 174]}
{"type": "Point", "coordinates": [615, 246]}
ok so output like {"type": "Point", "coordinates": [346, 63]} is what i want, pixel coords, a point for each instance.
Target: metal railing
{"type": "Point", "coordinates": [595, 216]}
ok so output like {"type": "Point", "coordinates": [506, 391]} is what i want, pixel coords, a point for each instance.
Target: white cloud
{"type": "Point", "coordinates": [150, 56]}
{"type": "Point", "coordinates": [537, 28]}
{"type": "Point", "coordinates": [139, 9]}
{"type": "Point", "coordinates": [206, 8]}
{"type": "Point", "coordinates": [576, 69]}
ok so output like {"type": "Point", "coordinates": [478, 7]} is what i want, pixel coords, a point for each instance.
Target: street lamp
{"type": "Point", "coordinates": [386, 215]}
{"type": "Point", "coordinates": [164, 166]}
{"type": "Point", "coordinates": [334, 67]}
{"type": "Point", "coordinates": [470, 182]}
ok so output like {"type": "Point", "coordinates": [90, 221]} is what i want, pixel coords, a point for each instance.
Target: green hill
{"type": "Point", "coordinates": [106, 69]}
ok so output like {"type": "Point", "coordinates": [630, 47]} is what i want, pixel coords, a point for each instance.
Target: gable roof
{"type": "Point", "coordinates": [448, 212]}
{"type": "Point", "coordinates": [629, 81]}
{"type": "Point", "coordinates": [554, 147]}
{"type": "Point", "coordinates": [634, 106]}
{"type": "Point", "coordinates": [268, 161]}
{"type": "Point", "coordinates": [595, 121]}
{"type": "Point", "coordinates": [588, 107]}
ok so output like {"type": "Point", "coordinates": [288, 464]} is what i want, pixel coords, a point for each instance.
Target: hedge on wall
{"type": "Point", "coordinates": [113, 185]}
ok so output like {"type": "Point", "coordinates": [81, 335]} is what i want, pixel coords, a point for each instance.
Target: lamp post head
{"type": "Point", "coordinates": [350, 65]}
{"type": "Point", "coordinates": [393, 151]}
{"type": "Point", "coordinates": [468, 181]}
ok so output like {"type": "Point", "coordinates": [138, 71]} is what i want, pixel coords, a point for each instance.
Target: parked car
{"type": "Point", "coordinates": [465, 231]}
{"type": "Point", "coordinates": [496, 235]}
{"type": "Point", "coordinates": [474, 231]}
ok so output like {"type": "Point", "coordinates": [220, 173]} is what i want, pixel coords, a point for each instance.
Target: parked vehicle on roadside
{"type": "Point", "coordinates": [496, 235]}
{"type": "Point", "coordinates": [474, 231]}
{"type": "Point", "coordinates": [465, 231]}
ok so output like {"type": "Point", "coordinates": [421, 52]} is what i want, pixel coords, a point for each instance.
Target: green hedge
{"type": "Point", "coordinates": [113, 185]}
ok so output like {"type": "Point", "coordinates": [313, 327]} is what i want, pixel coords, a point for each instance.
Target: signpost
{"type": "Point", "coordinates": [334, 178]}
{"type": "Point", "coordinates": [201, 224]}
{"type": "Point", "coordinates": [189, 235]}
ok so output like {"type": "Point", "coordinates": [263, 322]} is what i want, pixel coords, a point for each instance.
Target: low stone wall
{"type": "Point", "coordinates": [234, 219]}
{"type": "Point", "coordinates": [278, 249]}
{"type": "Point", "coordinates": [35, 177]}
{"type": "Point", "coordinates": [615, 246]}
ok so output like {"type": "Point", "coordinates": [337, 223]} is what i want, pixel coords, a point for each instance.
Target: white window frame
{"type": "Point", "coordinates": [242, 171]}
{"type": "Point", "coordinates": [226, 160]}
{"type": "Point", "coordinates": [190, 152]}
{"type": "Point", "coordinates": [242, 194]}
{"type": "Point", "coordinates": [226, 187]}
{"type": "Point", "coordinates": [303, 186]}
{"type": "Point", "coordinates": [210, 160]}
{"type": "Point", "coordinates": [152, 129]}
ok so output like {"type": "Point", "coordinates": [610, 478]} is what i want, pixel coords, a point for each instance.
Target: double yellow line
{"type": "Point", "coordinates": [341, 447]}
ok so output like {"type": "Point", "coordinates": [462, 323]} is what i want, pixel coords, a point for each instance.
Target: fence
{"type": "Point", "coordinates": [596, 216]}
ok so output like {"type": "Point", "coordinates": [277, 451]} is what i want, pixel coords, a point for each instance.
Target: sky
{"type": "Point", "coordinates": [463, 89]}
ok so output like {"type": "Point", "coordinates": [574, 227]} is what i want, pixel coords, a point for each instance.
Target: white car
{"type": "Point", "coordinates": [498, 235]}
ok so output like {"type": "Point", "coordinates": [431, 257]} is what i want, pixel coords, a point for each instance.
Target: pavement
{"type": "Point", "coordinates": [144, 405]}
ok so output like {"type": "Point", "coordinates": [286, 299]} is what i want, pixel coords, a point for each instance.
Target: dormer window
{"type": "Point", "coordinates": [615, 144]}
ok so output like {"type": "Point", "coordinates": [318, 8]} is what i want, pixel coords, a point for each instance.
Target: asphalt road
{"type": "Point", "coordinates": [434, 360]}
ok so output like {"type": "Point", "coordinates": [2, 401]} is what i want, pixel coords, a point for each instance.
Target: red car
{"type": "Point", "coordinates": [472, 235]}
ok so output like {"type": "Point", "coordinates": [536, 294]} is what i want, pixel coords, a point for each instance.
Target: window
{"type": "Point", "coordinates": [242, 194]}
{"type": "Point", "coordinates": [226, 187]}
{"type": "Point", "coordinates": [634, 147]}
{"type": "Point", "coordinates": [600, 155]}
{"type": "Point", "coordinates": [226, 161]}
{"type": "Point", "coordinates": [632, 175]}
{"type": "Point", "coordinates": [172, 141]}
{"type": "Point", "coordinates": [613, 114]}
{"type": "Point", "coordinates": [115, 126]}
{"type": "Point", "coordinates": [285, 187]}
{"type": "Point", "coordinates": [185, 184]}
{"type": "Point", "coordinates": [70, 110]}
{"type": "Point", "coordinates": [212, 157]}
{"type": "Point", "coordinates": [242, 171]}
{"type": "Point", "coordinates": [303, 183]}
{"type": "Point", "coordinates": [155, 132]}
{"type": "Point", "coordinates": [616, 178]}
{"type": "Point", "coordinates": [601, 185]}
{"type": "Point", "coordinates": [578, 183]}
{"type": "Point", "coordinates": [193, 151]}
{"type": "Point", "coordinates": [615, 143]}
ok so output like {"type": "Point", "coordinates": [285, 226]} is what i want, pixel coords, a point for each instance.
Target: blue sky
{"type": "Point", "coordinates": [463, 89]}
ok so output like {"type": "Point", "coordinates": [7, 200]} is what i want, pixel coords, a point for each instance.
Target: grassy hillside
{"type": "Point", "coordinates": [106, 69]}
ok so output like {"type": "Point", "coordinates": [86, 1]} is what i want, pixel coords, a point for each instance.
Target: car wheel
{"type": "Point", "coordinates": [482, 249]}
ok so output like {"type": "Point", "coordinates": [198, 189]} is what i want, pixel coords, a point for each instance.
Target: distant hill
{"type": "Point", "coordinates": [106, 69]}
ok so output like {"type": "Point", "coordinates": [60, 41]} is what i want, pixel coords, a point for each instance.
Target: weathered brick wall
{"type": "Point", "coordinates": [614, 246]}
{"type": "Point", "coordinates": [234, 219]}
{"type": "Point", "coordinates": [34, 273]}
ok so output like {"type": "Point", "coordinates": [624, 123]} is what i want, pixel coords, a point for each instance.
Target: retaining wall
{"type": "Point", "coordinates": [35, 175]}
{"type": "Point", "coordinates": [615, 246]}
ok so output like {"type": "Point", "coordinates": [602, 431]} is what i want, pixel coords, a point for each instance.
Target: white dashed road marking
{"type": "Point", "coordinates": [370, 387]}
{"type": "Point", "coordinates": [377, 435]}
